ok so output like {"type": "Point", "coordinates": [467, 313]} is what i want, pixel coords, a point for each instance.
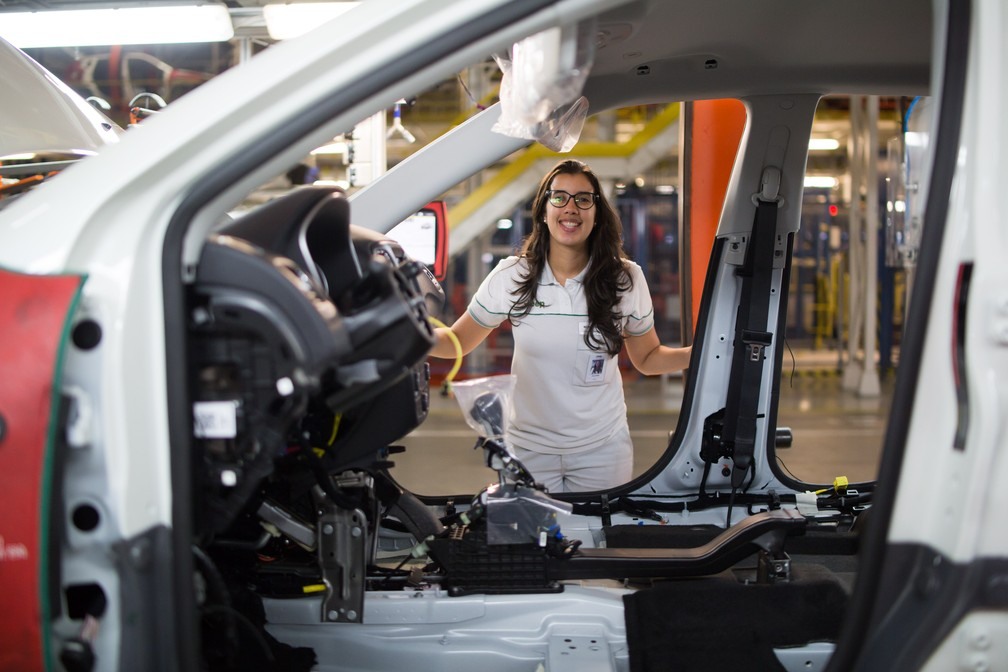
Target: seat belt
{"type": "Point", "coordinates": [737, 436]}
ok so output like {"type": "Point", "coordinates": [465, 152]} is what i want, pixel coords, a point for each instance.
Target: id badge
{"type": "Point", "coordinates": [595, 371]}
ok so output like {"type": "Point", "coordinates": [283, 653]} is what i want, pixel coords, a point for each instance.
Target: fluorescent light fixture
{"type": "Point", "coordinates": [820, 182]}
{"type": "Point", "coordinates": [823, 144]}
{"type": "Point", "coordinates": [125, 25]}
{"type": "Point", "coordinates": [284, 21]}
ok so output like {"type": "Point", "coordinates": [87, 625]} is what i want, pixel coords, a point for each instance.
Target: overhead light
{"type": "Point", "coordinates": [287, 20]}
{"type": "Point", "coordinates": [821, 182]}
{"type": "Point", "coordinates": [124, 25]}
{"type": "Point", "coordinates": [823, 144]}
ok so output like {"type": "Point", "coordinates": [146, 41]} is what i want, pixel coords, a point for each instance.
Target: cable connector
{"type": "Point", "coordinates": [840, 485]}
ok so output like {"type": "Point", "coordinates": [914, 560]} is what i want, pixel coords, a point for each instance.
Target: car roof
{"type": "Point", "coordinates": [661, 50]}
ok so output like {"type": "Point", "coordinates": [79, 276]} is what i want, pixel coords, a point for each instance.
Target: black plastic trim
{"type": "Point", "coordinates": [935, 595]}
{"type": "Point", "coordinates": [767, 530]}
{"type": "Point", "coordinates": [141, 562]}
{"type": "Point", "coordinates": [959, 354]}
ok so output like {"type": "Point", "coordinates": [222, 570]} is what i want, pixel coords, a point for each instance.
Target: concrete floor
{"type": "Point", "coordinates": [836, 432]}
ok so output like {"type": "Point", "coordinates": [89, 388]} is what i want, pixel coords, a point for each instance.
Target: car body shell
{"type": "Point", "coordinates": [135, 219]}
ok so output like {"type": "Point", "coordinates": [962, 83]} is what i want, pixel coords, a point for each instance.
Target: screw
{"type": "Point", "coordinates": [981, 640]}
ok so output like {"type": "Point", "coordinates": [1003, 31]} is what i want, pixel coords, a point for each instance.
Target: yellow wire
{"type": "Point", "coordinates": [335, 427]}
{"type": "Point", "coordinates": [458, 349]}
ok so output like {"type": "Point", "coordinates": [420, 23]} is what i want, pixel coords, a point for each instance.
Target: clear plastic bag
{"type": "Point", "coordinates": [520, 515]}
{"type": "Point", "coordinates": [486, 403]}
{"type": "Point", "coordinates": [541, 86]}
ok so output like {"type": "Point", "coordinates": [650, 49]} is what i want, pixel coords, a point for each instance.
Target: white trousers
{"type": "Point", "coordinates": [601, 468]}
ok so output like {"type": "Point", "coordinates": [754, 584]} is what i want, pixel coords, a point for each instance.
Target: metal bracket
{"type": "Point", "coordinates": [342, 552]}
{"type": "Point", "coordinates": [773, 567]}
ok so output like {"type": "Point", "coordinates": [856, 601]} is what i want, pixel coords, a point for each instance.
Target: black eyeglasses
{"type": "Point", "coordinates": [583, 199]}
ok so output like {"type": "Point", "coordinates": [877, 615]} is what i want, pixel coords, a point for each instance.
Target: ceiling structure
{"type": "Point", "coordinates": [251, 34]}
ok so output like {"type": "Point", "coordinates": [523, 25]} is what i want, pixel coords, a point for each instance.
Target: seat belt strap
{"type": "Point", "coordinates": [751, 340]}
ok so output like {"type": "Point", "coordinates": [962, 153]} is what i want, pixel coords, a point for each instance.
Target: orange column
{"type": "Point", "coordinates": [712, 130]}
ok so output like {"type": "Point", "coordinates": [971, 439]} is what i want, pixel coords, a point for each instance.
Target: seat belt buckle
{"type": "Point", "coordinates": [755, 342]}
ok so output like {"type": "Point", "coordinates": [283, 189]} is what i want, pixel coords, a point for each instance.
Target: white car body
{"type": "Point", "coordinates": [135, 220]}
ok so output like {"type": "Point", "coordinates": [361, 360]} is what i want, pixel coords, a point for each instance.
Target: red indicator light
{"type": "Point", "coordinates": [833, 210]}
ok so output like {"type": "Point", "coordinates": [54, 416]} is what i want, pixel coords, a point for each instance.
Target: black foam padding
{"type": "Point", "coordinates": [719, 623]}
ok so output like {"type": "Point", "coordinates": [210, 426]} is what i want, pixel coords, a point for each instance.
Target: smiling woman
{"type": "Point", "coordinates": [573, 301]}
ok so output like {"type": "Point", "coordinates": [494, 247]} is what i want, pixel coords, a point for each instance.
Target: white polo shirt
{"type": "Point", "coordinates": [567, 397]}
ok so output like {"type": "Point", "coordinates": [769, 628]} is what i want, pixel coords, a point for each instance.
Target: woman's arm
{"type": "Point", "coordinates": [468, 331]}
{"type": "Point", "coordinates": [651, 358]}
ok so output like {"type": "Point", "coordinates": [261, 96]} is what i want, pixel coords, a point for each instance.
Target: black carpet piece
{"type": "Point", "coordinates": [718, 623]}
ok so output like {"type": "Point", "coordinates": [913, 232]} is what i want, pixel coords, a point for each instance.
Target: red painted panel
{"type": "Point", "coordinates": [33, 329]}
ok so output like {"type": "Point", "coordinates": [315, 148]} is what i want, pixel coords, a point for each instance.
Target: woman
{"type": "Point", "coordinates": [574, 300]}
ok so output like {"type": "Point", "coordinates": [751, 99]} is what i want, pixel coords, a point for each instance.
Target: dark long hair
{"type": "Point", "coordinates": [607, 275]}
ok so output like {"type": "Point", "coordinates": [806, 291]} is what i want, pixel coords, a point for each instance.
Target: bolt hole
{"type": "Point", "coordinates": [84, 599]}
{"type": "Point", "coordinates": [87, 334]}
{"type": "Point", "coordinates": [86, 517]}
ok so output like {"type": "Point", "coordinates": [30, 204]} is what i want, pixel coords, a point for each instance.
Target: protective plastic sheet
{"type": "Point", "coordinates": [522, 515]}
{"type": "Point", "coordinates": [541, 86]}
{"type": "Point", "coordinates": [486, 404]}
